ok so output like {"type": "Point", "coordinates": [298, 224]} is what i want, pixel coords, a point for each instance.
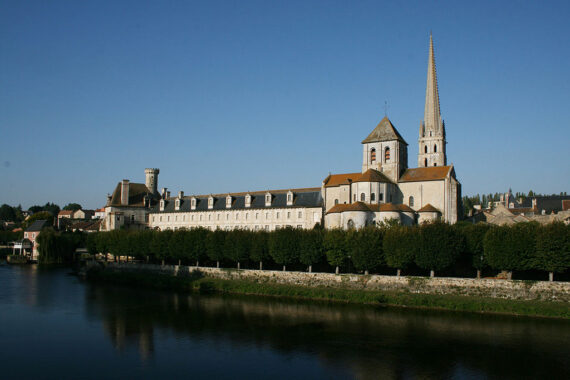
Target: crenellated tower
{"type": "Point", "coordinates": [432, 128]}
{"type": "Point", "coordinates": [151, 179]}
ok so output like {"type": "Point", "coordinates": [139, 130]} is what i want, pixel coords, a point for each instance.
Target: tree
{"type": "Point", "coordinates": [237, 246]}
{"type": "Point", "coordinates": [7, 213]}
{"type": "Point", "coordinates": [195, 244]}
{"type": "Point", "coordinates": [400, 246]}
{"type": "Point", "coordinates": [176, 245]}
{"type": "Point", "coordinates": [440, 244]}
{"type": "Point", "coordinates": [335, 248]}
{"type": "Point", "coordinates": [365, 248]}
{"type": "Point", "coordinates": [510, 248]}
{"type": "Point", "coordinates": [42, 215]}
{"type": "Point", "coordinates": [72, 207]}
{"type": "Point", "coordinates": [474, 235]}
{"type": "Point", "coordinates": [215, 246]}
{"type": "Point", "coordinates": [259, 250]}
{"type": "Point", "coordinates": [54, 247]}
{"type": "Point", "coordinates": [284, 246]}
{"type": "Point", "coordinates": [311, 247]}
{"type": "Point", "coordinates": [553, 248]}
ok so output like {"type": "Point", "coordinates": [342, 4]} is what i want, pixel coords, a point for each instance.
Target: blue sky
{"type": "Point", "coordinates": [252, 95]}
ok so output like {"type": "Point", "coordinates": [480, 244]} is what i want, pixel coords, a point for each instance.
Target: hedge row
{"type": "Point", "coordinates": [434, 247]}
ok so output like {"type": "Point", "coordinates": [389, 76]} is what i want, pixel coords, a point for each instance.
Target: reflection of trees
{"type": "Point", "coordinates": [366, 342]}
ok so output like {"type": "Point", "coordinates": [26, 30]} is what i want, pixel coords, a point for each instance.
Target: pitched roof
{"type": "Point", "coordinates": [341, 179]}
{"type": "Point", "coordinates": [432, 173]}
{"type": "Point", "coordinates": [361, 206]}
{"type": "Point", "coordinates": [137, 192]}
{"type": "Point", "coordinates": [65, 212]}
{"type": "Point", "coordinates": [356, 206]}
{"type": "Point", "coordinates": [372, 175]}
{"type": "Point", "coordinates": [36, 226]}
{"type": "Point", "coordinates": [305, 198]}
{"type": "Point", "coordinates": [384, 131]}
{"type": "Point", "coordinates": [428, 208]}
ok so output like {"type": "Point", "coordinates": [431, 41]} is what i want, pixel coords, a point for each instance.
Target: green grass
{"type": "Point", "coordinates": [200, 284]}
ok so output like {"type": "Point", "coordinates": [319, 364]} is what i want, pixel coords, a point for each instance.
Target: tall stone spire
{"type": "Point", "coordinates": [432, 115]}
{"type": "Point", "coordinates": [432, 129]}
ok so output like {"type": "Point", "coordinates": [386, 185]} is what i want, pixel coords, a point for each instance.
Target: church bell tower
{"type": "Point", "coordinates": [432, 128]}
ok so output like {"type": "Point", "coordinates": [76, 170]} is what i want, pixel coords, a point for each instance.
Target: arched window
{"type": "Point", "coordinates": [435, 148]}
{"type": "Point", "coordinates": [336, 201]}
{"type": "Point", "coordinates": [350, 224]}
{"type": "Point", "coordinates": [372, 155]}
{"type": "Point", "coordinates": [372, 197]}
{"type": "Point", "coordinates": [386, 154]}
{"type": "Point", "coordinates": [411, 201]}
{"type": "Point", "coordinates": [362, 197]}
{"type": "Point", "coordinates": [425, 162]}
{"type": "Point", "coordinates": [435, 164]}
{"type": "Point", "coordinates": [425, 149]}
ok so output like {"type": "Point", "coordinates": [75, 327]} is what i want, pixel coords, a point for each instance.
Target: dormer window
{"type": "Point", "coordinates": [193, 203]}
{"type": "Point", "coordinates": [210, 202]}
{"type": "Point", "coordinates": [177, 204]}
{"type": "Point", "coordinates": [289, 198]}
{"type": "Point", "coordinates": [162, 202]}
{"type": "Point", "coordinates": [267, 199]}
{"type": "Point", "coordinates": [372, 155]}
{"type": "Point", "coordinates": [248, 200]}
{"type": "Point", "coordinates": [228, 201]}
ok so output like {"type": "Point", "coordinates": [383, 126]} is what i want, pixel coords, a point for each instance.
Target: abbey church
{"type": "Point", "coordinates": [384, 189]}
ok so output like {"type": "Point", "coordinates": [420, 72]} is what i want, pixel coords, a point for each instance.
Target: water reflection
{"type": "Point", "coordinates": [348, 341]}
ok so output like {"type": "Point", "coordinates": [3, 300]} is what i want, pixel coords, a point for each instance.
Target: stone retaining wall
{"type": "Point", "coordinates": [508, 289]}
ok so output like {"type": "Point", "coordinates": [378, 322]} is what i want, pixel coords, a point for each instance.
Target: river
{"type": "Point", "coordinates": [55, 326]}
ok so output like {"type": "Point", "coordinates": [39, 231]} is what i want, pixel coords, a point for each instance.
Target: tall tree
{"type": "Point", "coordinates": [284, 246]}
{"type": "Point", "coordinates": [335, 248]}
{"type": "Point", "coordinates": [259, 248]}
{"type": "Point", "coordinates": [215, 242]}
{"type": "Point", "coordinates": [440, 245]}
{"type": "Point", "coordinates": [72, 207]}
{"type": "Point", "coordinates": [400, 246]}
{"type": "Point", "coordinates": [365, 248]}
{"type": "Point", "coordinates": [311, 247]}
{"type": "Point", "coordinates": [553, 248]}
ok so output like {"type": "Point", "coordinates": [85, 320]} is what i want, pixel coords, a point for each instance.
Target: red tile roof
{"type": "Point", "coordinates": [433, 173]}
{"type": "Point", "coordinates": [428, 208]}
{"type": "Point", "coordinates": [372, 175]}
{"type": "Point", "coordinates": [341, 179]}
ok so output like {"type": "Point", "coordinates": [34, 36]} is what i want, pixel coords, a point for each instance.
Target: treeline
{"type": "Point", "coordinates": [59, 247]}
{"type": "Point", "coordinates": [9, 236]}
{"type": "Point", "coordinates": [434, 247]}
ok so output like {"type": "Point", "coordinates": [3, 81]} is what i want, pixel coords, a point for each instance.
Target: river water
{"type": "Point", "coordinates": [53, 325]}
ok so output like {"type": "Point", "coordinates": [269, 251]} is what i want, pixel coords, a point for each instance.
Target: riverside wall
{"type": "Point", "coordinates": [506, 289]}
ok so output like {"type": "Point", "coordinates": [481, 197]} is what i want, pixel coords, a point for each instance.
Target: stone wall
{"type": "Point", "coordinates": [508, 289]}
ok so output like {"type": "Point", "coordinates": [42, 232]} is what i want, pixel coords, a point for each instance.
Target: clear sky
{"type": "Point", "coordinates": [227, 96]}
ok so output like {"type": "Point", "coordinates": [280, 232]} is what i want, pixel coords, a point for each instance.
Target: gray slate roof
{"type": "Point", "coordinates": [36, 226]}
{"type": "Point", "coordinates": [384, 131]}
{"type": "Point", "coordinates": [547, 203]}
{"type": "Point", "coordinates": [279, 200]}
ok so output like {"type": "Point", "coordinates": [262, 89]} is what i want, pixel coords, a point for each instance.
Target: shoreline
{"type": "Point", "coordinates": [196, 282]}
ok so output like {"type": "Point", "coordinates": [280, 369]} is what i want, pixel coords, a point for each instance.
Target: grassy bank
{"type": "Point", "coordinates": [200, 284]}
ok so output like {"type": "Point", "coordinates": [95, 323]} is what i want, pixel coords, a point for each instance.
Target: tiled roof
{"type": "Point", "coordinates": [310, 197]}
{"type": "Point", "coordinates": [36, 226]}
{"type": "Point", "coordinates": [341, 179]}
{"type": "Point", "coordinates": [547, 203]}
{"type": "Point", "coordinates": [65, 213]}
{"type": "Point", "coordinates": [361, 206]}
{"type": "Point", "coordinates": [432, 173]}
{"type": "Point", "coordinates": [428, 208]}
{"type": "Point", "coordinates": [372, 175]}
{"type": "Point", "coordinates": [384, 131]}
{"type": "Point", "coordinates": [137, 192]}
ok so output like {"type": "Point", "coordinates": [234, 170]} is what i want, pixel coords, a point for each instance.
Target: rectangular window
{"type": "Point", "coordinates": [299, 226]}
{"type": "Point", "coordinates": [300, 214]}
{"type": "Point", "coordinates": [266, 228]}
{"type": "Point", "coordinates": [277, 216]}
{"type": "Point", "coordinates": [288, 215]}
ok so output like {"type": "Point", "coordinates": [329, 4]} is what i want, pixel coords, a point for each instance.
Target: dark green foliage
{"type": "Point", "coordinates": [72, 206]}
{"type": "Point", "coordinates": [42, 215]}
{"type": "Point", "coordinates": [365, 248]}
{"type": "Point", "coordinates": [259, 247]}
{"type": "Point", "coordinates": [92, 243]}
{"type": "Point", "coordinates": [440, 245]}
{"type": "Point", "coordinates": [7, 213]}
{"type": "Point", "coordinates": [55, 247]}
{"type": "Point", "coordinates": [159, 245]}
{"type": "Point", "coordinates": [176, 245]}
{"type": "Point", "coordinates": [335, 247]}
{"type": "Point", "coordinates": [237, 245]}
{"type": "Point", "coordinates": [474, 235]}
{"type": "Point", "coordinates": [311, 246]}
{"type": "Point", "coordinates": [553, 248]}
{"type": "Point", "coordinates": [215, 242]}
{"type": "Point", "coordinates": [400, 246]}
{"type": "Point", "coordinates": [284, 246]}
{"type": "Point", "coordinates": [9, 236]}
{"type": "Point", "coordinates": [511, 248]}
{"type": "Point", "coordinates": [195, 244]}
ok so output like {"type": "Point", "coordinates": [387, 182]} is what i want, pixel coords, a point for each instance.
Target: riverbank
{"type": "Point", "coordinates": [200, 281]}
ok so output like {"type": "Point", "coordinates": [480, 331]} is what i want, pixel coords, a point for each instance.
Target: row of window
{"type": "Point", "coordinates": [255, 228]}
{"type": "Point", "coordinates": [229, 200]}
{"type": "Point", "coordinates": [372, 198]}
{"type": "Point", "coordinates": [434, 148]}
{"type": "Point", "coordinates": [386, 154]}
{"type": "Point", "coordinates": [426, 163]}
{"type": "Point", "coordinates": [201, 217]}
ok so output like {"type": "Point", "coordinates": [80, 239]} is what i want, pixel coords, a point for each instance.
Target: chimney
{"type": "Point", "coordinates": [125, 192]}
{"type": "Point", "coordinates": [533, 202]}
{"type": "Point", "coordinates": [168, 195]}
{"type": "Point", "coordinates": [163, 192]}
{"type": "Point", "coordinates": [180, 194]}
